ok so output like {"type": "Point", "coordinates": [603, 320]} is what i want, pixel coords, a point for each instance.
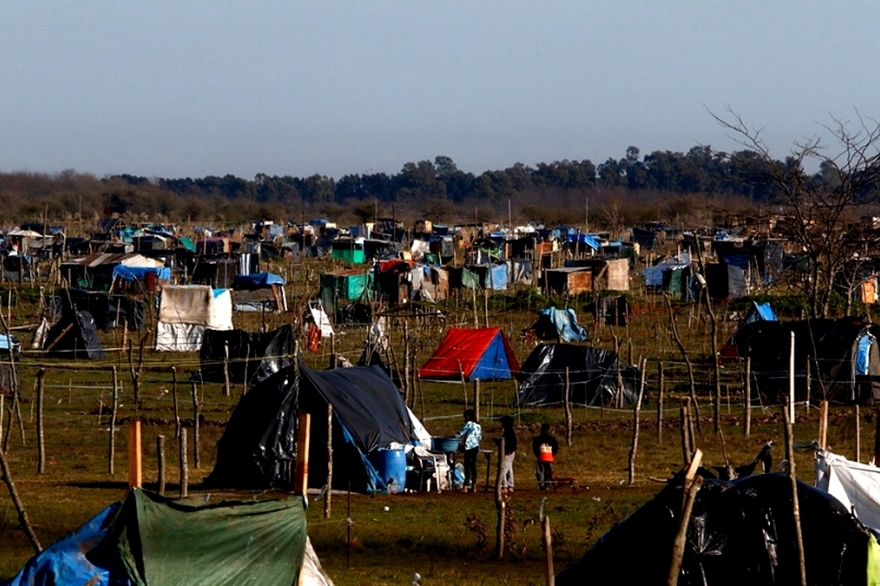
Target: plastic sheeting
{"type": "Point", "coordinates": [855, 485]}
{"type": "Point", "coordinates": [559, 323]}
{"type": "Point", "coordinates": [256, 281]}
{"type": "Point", "coordinates": [741, 532]}
{"type": "Point", "coordinates": [592, 375]}
{"type": "Point", "coordinates": [258, 448]}
{"type": "Point", "coordinates": [252, 356]}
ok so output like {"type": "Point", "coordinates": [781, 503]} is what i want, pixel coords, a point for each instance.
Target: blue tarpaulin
{"type": "Point", "coordinates": [584, 239]}
{"type": "Point", "coordinates": [67, 561]}
{"type": "Point", "coordinates": [560, 323]}
{"type": "Point", "coordinates": [125, 273]}
{"type": "Point", "coordinates": [863, 355]}
{"type": "Point", "coordinates": [256, 281]}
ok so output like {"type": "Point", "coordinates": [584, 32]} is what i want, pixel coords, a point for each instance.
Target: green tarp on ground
{"type": "Point", "coordinates": [170, 542]}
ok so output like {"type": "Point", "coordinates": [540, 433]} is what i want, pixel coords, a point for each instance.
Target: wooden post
{"type": "Point", "coordinates": [303, 434]}
{"type": "Point", "coordinates": [661, 386]}
{"type": "Point", "coordinates": [226, 389]}
{"type": "Point", "coordinates": [135, 454]}
{"type": "Point", "coordinates": [500, 505]}
{"type": "Point", "coordinates": [247, 356]}
{"type": "Point", "coordinates": [407, 390]}
{"type": "Point", "coordinates": [549, 575]}
{"type": "Point", "coordinates": [858, 422]}
{"type": "Point", "coordinates": [327, 505]}
{"type": "Point", "coordinates": [463, 384]}
{"type": "Point", "coordinates": [747, 399]}
{"type": "Point", "coordinates": [477, 399]}
{"type": "Point", "coordinates": [823, 427]}
{"type": "Point", "coordinates": [568, 422]}
{"type": "Point", "coordinates": [174, 399]}
{"type": "Point", "coordinates": [6, 475]}
{"type": "Point", "coordinates": [160, 458]}
{"type": "Point", "coordinates": [195, 401]}
{"type": "Point", "coordinates": [680, 537]}
{"type": "Point", "coordinates": [184, 467]}
{"type": "Point", "coordinates": [685, 440]}
{"type": "Point", "coordinates": [41, 440]}
{"type": "Point", "coordinates": [795, 507]}
{"type": "Point", "coordinates": [486, 303]}
{"type": "Point", "coordinates": [809, 382]}
{"type": "Point", "coordinates": [113, 410]}
{"type": "Point", "coordinates": [791, 379]}
{"type": "Point", "coordinates": [635, 437]}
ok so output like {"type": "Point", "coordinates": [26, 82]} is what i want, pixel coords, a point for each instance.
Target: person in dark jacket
{"type": "Point", "coordinates": [509, 436]}
{"type": "Point", "coordinates": [544, 447]}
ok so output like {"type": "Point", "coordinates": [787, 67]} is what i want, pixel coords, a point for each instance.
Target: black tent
{"type": "Point", "coordinates": [592, 376]}
{"type": "Point", "coordinates": [74, 337]}
{"type": "Point", "coordinates": [252, 356]}
{"type": "Point", "coordinates": [108, 310]}
{"type": "Point", "coordinates": [741, 532]}
{"type": "Point", "coordinates": [258, 449]}
{"type": "Point", "coordinates": [843, 356]}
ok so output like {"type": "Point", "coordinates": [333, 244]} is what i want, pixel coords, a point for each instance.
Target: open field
{"type": "Point", "coordinates": [447, 538]}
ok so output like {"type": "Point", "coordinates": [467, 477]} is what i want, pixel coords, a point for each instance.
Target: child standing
{"type": "Point", "coordinates": [544, 446]}
{"type": "Point", "coordinates": [471, 435]}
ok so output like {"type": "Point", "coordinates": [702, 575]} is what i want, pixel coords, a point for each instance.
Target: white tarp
{"type": "Point", "coordinates": [311, 573]}
{"type": "Point", "coordinates": [855, 485]}
{"type": "Point", "coordinates": [321, 320]}
{"type": "Point", "coordinates": [185, 311]}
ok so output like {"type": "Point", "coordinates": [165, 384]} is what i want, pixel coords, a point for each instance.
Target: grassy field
{"type": "Point", "coordinates": [447, 538]}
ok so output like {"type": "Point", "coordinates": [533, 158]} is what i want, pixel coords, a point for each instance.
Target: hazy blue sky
{"type": "Point", "coordinates": [191, 88]}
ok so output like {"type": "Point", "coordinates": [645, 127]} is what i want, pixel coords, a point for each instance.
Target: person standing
{"type": "Point", "coordinates": [509, 436]}
{"type": "Point", "coordinates": [471, 435]}
{"type": "Point", "coordinates": [545, 447]}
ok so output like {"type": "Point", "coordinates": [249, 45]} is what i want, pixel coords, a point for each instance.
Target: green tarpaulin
{"type": "Point", "coordinates": [171, 542]}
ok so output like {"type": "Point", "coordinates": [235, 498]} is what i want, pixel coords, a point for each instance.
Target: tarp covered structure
{"type": "Point", "coordinates": [855, 485]}
{"type": "Point", "coordinates": [843, 354]}
{"type": "Point", "coordinates": [258, 449]}
{"type": "Point", "coordinates": [186, 311]}
{"type": "Point", "coordinates": [592, 376]}
{"type": "Point", "coordinates": [148, 540]}
{"type": "Point", "coordinates": [251, 356]}
{"type": "Point", "coordinates": [478, 354]}
{"type": "Point", "coordinates": [74, 337]}
{"type": "Point", "coordinates": [109, 310]}
{"type": "Point", "coordinates": [741, 532]}
{"type": "Point", "coordinates": [559, 324]}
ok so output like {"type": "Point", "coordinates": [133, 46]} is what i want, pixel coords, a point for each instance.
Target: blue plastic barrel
{"type": "Point", "coordinates": [391, 466]}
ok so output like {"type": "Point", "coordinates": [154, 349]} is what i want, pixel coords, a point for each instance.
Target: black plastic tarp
{"type": "Point", "coordinates": [252, 356]}
{"type": "Point", "coordinates": [258, 448]}
{"type": "Point", "coordinates": [592, 375]}
{"type": "Point", "coordinates": [74, 337]}
{"type": "Point", "coordinates": [829, 345]}
{"type": "Point", "coordinates": [740, 533]}
{"type": "Point", "coordinates": [108, 310]}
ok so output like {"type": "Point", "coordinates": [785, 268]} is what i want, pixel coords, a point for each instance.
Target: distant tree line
{"type": "Point", "coordinates": [437, 190]}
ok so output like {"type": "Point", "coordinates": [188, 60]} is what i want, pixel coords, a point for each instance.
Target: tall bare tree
{"type": "Point", "coordinates": [823, 208]}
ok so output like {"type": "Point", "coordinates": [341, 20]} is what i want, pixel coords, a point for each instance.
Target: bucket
{"type": "Point", "coordinates": [391, 466]}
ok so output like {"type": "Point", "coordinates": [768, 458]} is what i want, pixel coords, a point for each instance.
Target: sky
{"type": "Point", "coordinates": [186, 88]}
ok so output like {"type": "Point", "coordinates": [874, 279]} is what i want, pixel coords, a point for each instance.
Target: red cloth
{"type": "Point", "coordinates": [314, 338]}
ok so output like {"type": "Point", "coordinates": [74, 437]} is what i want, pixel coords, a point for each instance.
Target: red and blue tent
{"type": "Point", "coordinates": [481, 354]}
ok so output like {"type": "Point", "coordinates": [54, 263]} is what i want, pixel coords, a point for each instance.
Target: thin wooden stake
{"type": "Point", "coordinates": [500, 505]}
{"type": "Point", "coordinates": [568, 422]}
{"type": "Point", "coordinates": [747, 399]}
{"type": "Point", "coordinates": [41, 440]}
{"type": "Point", "coordinates": [184, 467]}
{"type": "Point", "coordinates": [135, 455]}
{"type": "Point", "coordinates": [327, 504]}
{"type": "Point", "coordinates": [661, 387]}
{"type": "Point", "coordinates": [795, 506]}
{"type": "Point", "coordinates": [226, 388]}
{"type": "Point", "coordinates": [114, 407]}
{"type": "Point", "coordinates": [690, 493]}
{"type": "Point", "coordinates": [547, 538]}
{"type": "Point", "coordinates": [160, 458]}
{"type": "Point", "coordinates": [195, 402]}
{"type": "Point", "coordinates": [858, 422]}
{"type": "Point", "coordinates": [19, 507]}
{"type": "Point", "coordinates": [174, 399]}
{"type": "Point", "coordinates": [823, 427]}
{"type": "Point", "coordinates": [635, 437]}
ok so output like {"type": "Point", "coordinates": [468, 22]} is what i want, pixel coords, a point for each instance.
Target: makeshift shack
{"type": "Point", "coordinates": [594, 377]}
{"type": "Point", "coordinates": [246, 356]}
{"type": "Point", "coordinates": [259, 292]}
{"type": "Point", "coordinates": [342, 287]}
{"type": "Point", "coordinates": [257, 450]}
{"type": "Point", "coordinates": [843, 357]}
{"type": "Point", "coordinates": [186, 311]}
{"type": "Point", "coordinates": [74, 337]}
